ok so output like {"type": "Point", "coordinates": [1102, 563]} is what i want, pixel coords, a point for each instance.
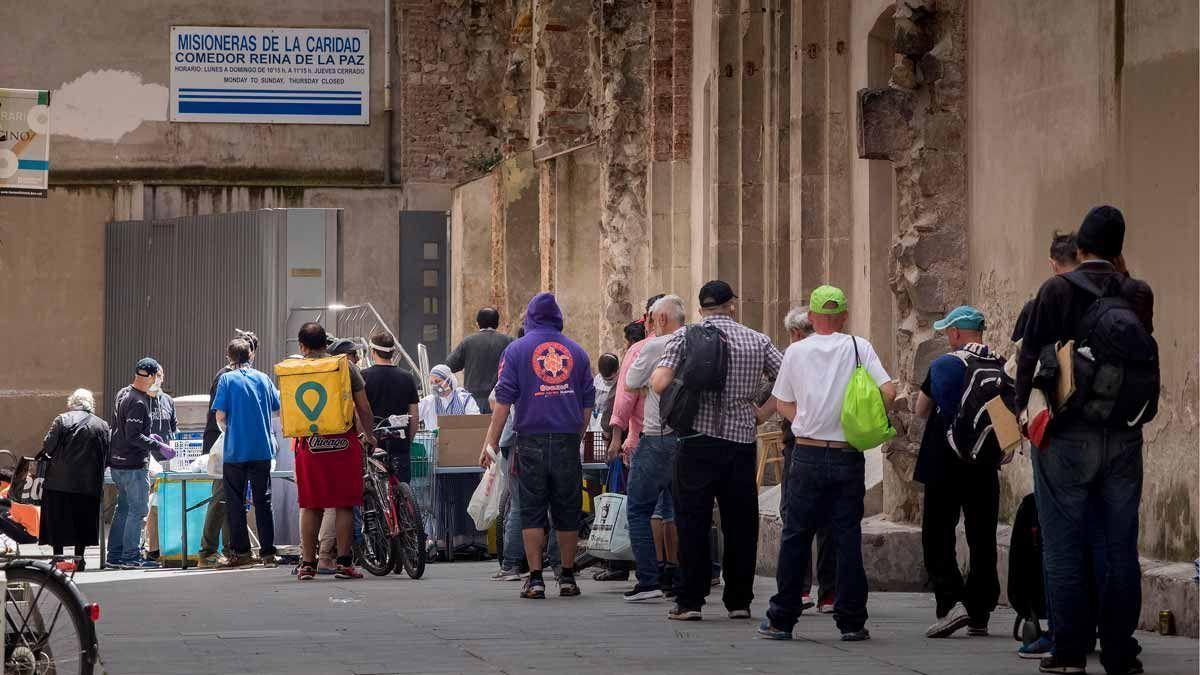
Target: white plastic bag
{"type": "Point", "coordinates": [216, 458]}
{"type": "Point", "coordinates": [485, 502]}
{"type": "Point", "coordinates": [609, 539]}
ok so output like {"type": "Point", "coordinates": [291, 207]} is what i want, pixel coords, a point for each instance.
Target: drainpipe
{"type": "Point", "coordinates": [387, 91]}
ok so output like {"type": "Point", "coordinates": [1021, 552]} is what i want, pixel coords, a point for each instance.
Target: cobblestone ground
{"type": "Point", "coordinates": [458, 621]}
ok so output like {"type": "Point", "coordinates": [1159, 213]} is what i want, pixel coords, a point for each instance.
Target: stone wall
{"type": "Point", "coordinates": [562, 88]}
{"type": "Point", "coordinates": [918, 124]}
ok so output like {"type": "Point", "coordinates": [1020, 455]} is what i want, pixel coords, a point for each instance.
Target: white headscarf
{"type": "Point", "coordinates": [443, 371]}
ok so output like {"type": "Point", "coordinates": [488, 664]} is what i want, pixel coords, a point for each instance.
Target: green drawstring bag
{"type": "Point", "coordinates": [864, 418]}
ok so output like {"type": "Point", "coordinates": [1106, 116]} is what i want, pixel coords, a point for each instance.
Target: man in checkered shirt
{"type": "Point", "coordinates": [716, 460]}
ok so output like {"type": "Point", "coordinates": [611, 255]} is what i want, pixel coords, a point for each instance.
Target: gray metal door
{"type": "Point", "coordinates": [424, 283]}
{"type": "Point", "coordinates": [176, 290]}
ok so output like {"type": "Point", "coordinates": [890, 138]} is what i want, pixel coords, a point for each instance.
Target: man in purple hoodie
{"type": "Point", "coordinates": [549, 378]}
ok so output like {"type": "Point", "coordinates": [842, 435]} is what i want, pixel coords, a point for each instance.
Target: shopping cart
{"type": "Point", "coordinates": [424, 459]}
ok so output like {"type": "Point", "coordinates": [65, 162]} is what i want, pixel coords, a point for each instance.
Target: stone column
{"type": "Point", "coordinates": [624, 32]}
{"type": "Point", "coordinates": [918, 123]}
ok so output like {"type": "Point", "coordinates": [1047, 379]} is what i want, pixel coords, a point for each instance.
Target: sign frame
{"type": "Point", "coordinates": [269, 75]}
{"type": "Point", "coordinates": [24, 142]}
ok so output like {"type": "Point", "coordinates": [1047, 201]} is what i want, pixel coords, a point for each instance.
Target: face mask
{"type": "Point", "coordinates": [442, 389]}
{"type": "Point", "coordinates": [155, 388]}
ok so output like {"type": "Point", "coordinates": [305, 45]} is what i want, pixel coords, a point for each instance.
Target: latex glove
{"type": "Point", "coordinates": [164, 449]}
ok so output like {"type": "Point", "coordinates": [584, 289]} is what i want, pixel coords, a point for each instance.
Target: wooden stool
{"type": "Point", "coordinates": [770, 453]}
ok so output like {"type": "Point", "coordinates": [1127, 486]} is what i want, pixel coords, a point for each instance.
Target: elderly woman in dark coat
{"type": "Point", "coordinates": [77, 446]}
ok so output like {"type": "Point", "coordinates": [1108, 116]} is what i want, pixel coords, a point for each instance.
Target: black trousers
{"type": "Point", "coordinates": [972, 491]}
{"type": "Point", "coordinates": [216, 523]}
{"type": "Point", "coordinates": [709, 468]}
{"type": "Point", "coordinates": [258, 475]}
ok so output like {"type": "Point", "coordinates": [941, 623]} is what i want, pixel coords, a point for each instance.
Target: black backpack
{"type": "Point", "coordinates": [1115, 361]}
{"type": "Point", "coordinates": [1026, 587]}
{"type": "Point", "coordinates": [970, 434]}
{"type": "Point", "coordinates": [702, 371]}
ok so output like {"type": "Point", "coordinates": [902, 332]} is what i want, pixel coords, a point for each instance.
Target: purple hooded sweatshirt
{"type": "Point", "coordinates": [546, 374]}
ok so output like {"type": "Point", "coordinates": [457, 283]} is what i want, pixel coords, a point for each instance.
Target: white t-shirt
{"type": "Point", "coordinates": [814, 376]}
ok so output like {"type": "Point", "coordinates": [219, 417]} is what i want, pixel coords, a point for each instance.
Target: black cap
{"type": "Point", "coordinates": [715, 293]}
{"type": "Point", "coordinates": [343, 346]}
{"type": "Point", "coordinates": [146, 367]}
{"type": "Point", "coordinates": [1102, 232]}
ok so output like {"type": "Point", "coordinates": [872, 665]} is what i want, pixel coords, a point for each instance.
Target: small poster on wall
{"type": "Point", "coordinates": [24, 142]}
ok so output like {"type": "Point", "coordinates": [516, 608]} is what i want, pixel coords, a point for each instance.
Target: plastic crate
{"type": "Point", "coordinates": [593, 449]}
{"type": "Point", "coordinates": [188, 446]}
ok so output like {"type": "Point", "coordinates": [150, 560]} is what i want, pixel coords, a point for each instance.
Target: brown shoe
{"type": "Point", "coordinates": [210, 561]}
{"type": "Point", "coordinates": [238, 560]}
{"type": "Point", "coordinates": [270, 561]}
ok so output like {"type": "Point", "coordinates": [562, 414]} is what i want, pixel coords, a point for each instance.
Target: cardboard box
{"type": "Point", "coordinates": [1004, 424]}
{"type": "Point", "coordinates": [460, 438]}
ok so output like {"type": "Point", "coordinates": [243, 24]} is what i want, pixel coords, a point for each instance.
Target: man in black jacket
{"type": "Point", "coordinates": [478, 356]}
{"type": "Point", "coordinates": [1088, 476]}
{"type": "Point", "coordinates": [129, 456]}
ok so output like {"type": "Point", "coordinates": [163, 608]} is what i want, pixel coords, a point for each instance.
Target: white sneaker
{"type": "Point", "coordinates": [954, 621]}
{"type": "Point", "coordinates": [507, 575]}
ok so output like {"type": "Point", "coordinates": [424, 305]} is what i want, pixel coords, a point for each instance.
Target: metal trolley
{"type": "Point", "coordinates": [424, 486]}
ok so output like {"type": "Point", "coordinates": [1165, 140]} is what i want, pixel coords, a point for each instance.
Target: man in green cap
{"type": "Point", "coordinates": [826, 484]}
{"type": "Point", "coordinates": [954, 487]}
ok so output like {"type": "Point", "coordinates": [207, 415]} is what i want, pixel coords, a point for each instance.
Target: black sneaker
{"type": "Point", "coordinates": [640, 593]}
{"type": "Point", "coordinates": [535, 589]}
{"type": "Point", "coordinates": [567, 587]}
{"type": "Point", "coordinates": [1134, 667]}
{"type": "Point", "coordinates": [1054, 664]}
{"type": "Point", "coordinates": [678, 613]}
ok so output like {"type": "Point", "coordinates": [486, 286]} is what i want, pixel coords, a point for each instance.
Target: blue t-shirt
{"type": "Point", "coordinates": [247, 397]}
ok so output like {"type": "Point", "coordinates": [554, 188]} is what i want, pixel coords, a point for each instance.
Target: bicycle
{"type": "Point", "coordinates": [49, 626]}
{"type": "Point", "coordinates": [393, 525]}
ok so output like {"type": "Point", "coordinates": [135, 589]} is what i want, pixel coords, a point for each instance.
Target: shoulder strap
{"type": "Point", "coordinates": [854, 341]}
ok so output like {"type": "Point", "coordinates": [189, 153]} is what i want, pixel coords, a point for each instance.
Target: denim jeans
{"type": "Point", "coordinates": [133, 503]}
{"type": "Point", "coordinates": [826, 487]}
{"type": "Point", "coordinates": [258, 475]}
{"type": "Point", "coordinates": [1088, 489]}
{"type": "Point", "coordinates": [514, 544]}
{"type": "Point", "coordinates": [649, 479]}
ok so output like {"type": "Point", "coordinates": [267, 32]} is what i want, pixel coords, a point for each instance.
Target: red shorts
{"type": "Point", "coordinates": [329, 473]}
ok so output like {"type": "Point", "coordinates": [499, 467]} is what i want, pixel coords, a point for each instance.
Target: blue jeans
{"type": "Point", "coordinates": [826, 487]}
{"type": "Point", "coordinates": [1088, 489]}
{"type": "Point", "coordinates": [514, 544]}
{"type": "Point", "coordinates": [649, 480]}
{"type": "Point", "coordinates": [133, 503]}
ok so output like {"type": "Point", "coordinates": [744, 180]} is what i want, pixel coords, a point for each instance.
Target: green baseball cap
{"type": "Point", "coordinates": [965, 317]}
{"type": "Point", "coordinates": [823, 295]}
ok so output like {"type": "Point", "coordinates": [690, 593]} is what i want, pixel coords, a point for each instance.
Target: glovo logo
{"type": "Point", "coordinates": [312, 413]}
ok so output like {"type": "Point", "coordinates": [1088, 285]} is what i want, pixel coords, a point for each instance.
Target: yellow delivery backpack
{"type": "Point", "coordinates": [315, 397]}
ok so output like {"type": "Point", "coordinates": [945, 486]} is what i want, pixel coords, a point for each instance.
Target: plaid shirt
{"type": "Point", "coordinates": [729, 415]}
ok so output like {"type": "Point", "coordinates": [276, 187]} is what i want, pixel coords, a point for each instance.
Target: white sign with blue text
{"type": "Point", "coordinates": [270, 75]}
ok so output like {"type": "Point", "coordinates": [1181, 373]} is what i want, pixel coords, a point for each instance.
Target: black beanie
{"type": "Point", "coordinates": [1102, 232]}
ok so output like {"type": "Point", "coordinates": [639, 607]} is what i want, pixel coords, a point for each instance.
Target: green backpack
{"type": "Point", "coordinates": [864, 418]}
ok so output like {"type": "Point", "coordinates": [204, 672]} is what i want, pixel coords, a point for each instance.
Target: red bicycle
{"type": "Point", "coordinates": [393, 525]}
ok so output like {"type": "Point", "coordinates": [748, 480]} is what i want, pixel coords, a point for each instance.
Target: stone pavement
{"type": "Point", "coordinates": [458, 621]}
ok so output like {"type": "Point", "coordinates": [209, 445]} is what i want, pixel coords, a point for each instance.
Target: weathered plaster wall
{"type": "Point", "coordinates": [53, 305]}
{"type": "Point", "coordinates": [471, 256]}
{"type": "Point", "coordinates": [577, 246]}
{"type": "Point", "coordinates": [516, 264]}
{"type": "Point", "coordinates": [1117, 123]}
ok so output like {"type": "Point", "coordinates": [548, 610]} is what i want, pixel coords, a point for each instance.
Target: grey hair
{"type": "Point", "coordinates": [797, 319]}
{"type": "Point", "coordinates": [81, 399]}
{"type": "Point", "coordinates": [672, 306]}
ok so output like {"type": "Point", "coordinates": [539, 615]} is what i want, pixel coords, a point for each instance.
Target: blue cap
{"type": "Point", "coordinates": [965, 317]}
{"type": "Point", "coordinates": [147, 367]}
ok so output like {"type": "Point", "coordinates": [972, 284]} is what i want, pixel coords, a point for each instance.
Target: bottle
{"type": "Point", "coordinates": [1166, 622]}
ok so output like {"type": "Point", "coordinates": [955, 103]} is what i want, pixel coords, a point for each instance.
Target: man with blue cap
{"type": "Point", "coordinates": [954, 487]}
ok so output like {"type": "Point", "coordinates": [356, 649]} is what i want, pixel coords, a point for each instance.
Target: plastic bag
{"type": "Point", "coordinates": [864, 417]}
{"type": "Point", "coordinates": [216, 458]}
{"type": "Point", "coordinates": [609, 538]}
{"type": "Point", "coordinates": [485, 502]}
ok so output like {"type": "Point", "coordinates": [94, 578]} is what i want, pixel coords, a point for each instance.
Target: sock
{"type": "Point", "coordinates": [310, 563]}
{"type": "Point", "coordinates": [535, 575]}
{"type": "Point", "coordinates": [567, 572]}
{"type": "Point", "coordinates": [345, 560]}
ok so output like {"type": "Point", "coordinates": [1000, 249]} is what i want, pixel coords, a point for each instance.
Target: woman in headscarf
{"type": "Point", "coordinates": [447, 398]}
{"type": "Point", "coordinates": [77, 446]}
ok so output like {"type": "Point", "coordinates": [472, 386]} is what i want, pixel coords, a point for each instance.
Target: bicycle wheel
{"type": "Point", "coordinates": [376, 551]}
{"type": "Point", "coordinates": [47, 628]}
{"type": "Point", "coordinates": [410, 545]}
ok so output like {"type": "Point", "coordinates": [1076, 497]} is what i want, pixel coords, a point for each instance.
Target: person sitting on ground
{"type": "Point", "coordinates": [77, 445]}
{"type": "Point", "coordinates": [447, 398]}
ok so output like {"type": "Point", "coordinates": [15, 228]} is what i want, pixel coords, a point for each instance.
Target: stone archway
{"type": "Point", "coordinates": [918, 123]}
